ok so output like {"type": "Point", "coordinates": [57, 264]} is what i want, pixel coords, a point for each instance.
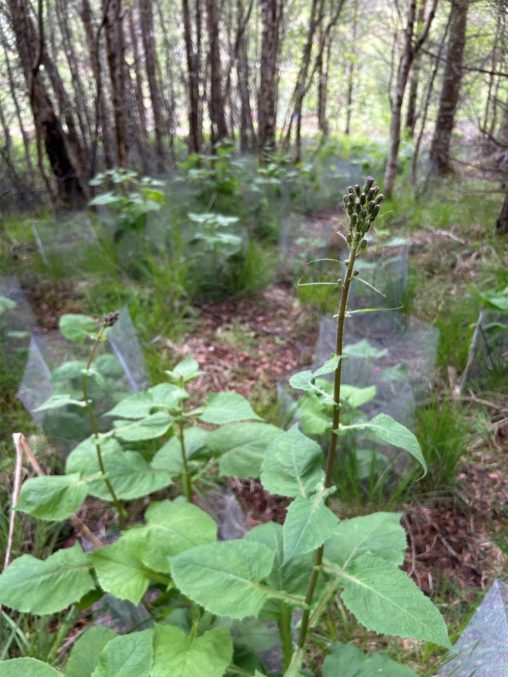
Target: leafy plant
{"type": "Point", "coordinates": [209, 597]}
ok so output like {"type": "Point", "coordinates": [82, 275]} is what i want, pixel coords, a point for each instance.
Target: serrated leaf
{"type": "Point", "coordinates": [46, 586]}
{"type": "Point", "coordinates": [227, 407]}
{"type": "Point", "coordinates": [120, 570]}
{"type": "Point", "coordinates": [59, 401]}
{"type": "Point", "coordinates": [224, 577]}
{"type": "Point", "coordinates": [379, 533]}
{"type": "Point", "coordinates": [292, 465]}
{"type": "Point", "coordinates": [315, 415]}
{"type": "Point", "coordinates": [135, 406]}
{"type": "Point", "coordinates": [241, 447]}
{"type": "Point", "coordinates": [27, 667]}
{"type": "Point", "coordinates": [384, 599]}
{"type": "Point", "coordinates": [76, 327]}
{"type": "Point", "coordinates": [171, 528]}
{"type": "Point", "coordinates": [169, 456]}
{"type": "Point", "coordinates": [126, 656]}
{"type": "Point", "coordinates": [86, 651]}
{"type": "Point", "coordinates": [131, 476]}
{"type": "Point", "coordinates": [180, 655]}
{"type": "Point", "coordinates": [308, 524]}
{"type": "Point", "coordinates": [386, 429]}
{"type": "Point", "coordinates": [148, 428]}
{"type": "Point", "coordinates": [54, 497]}
{"type": "Point", "coordinates": [347, 660]}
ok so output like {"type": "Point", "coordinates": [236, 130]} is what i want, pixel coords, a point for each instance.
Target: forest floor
{"type": "Point", "coordinates": [457, 539]}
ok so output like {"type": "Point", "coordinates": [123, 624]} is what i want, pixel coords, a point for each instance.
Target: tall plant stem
{"type": "Point", "coordinates": [95, 427]}
{"type": "Point", "coordinates": [186, 478]}
{"type": "Point", "coordinates": [318, 557]}
{"type": "Point", "coordinates": [284, 622]}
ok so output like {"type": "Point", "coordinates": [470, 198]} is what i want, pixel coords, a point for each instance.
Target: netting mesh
{"type": "Point", "coordinates": [54, 366]}
{"type": "Point", "coordinates": [488, 354]}
{"type": "Point", "coordinates": [482, 649]}
{"type": "Point", "coordinates": [66, 240]}
{"type": "Point", "coordinates": [16, 325]}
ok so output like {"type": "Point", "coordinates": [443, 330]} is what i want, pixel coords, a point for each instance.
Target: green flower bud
{"type": "Point", "coordinates": [351, 190]}
{"type": "Point", "coordinates": [369, 182]}
{"type": "Point", "coordinates": [380, 198]}
{"type": "Point", "coordinates": [363, 198]}
{"type": "Point", "coordinates": [358, 190]}
{"type": "Point", "coordinates": [363, 244]}
{"type": "Point", "coordinates": [374, 212]}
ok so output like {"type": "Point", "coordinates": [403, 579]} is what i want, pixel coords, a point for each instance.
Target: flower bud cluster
{"type": "Point", "coordinates": [362, 206]}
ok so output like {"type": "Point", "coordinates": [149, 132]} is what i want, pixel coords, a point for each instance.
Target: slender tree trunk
{"type": "Point", "coordinates": [193, 56]}
{"type": "Point", "coordinates": [502, 221]}
{"type": "Point", "coordinates": [449, 99]}
{"type": "Point", "coordinates": [410, 50]}
{"type": "Point", "coordinates": [415, 76]}
{"type": "Point", "coordinates": [30, 44]}
{"type": "Point", "coordinates": [148, 35]}
{"type": "Point", "coordinates": [216, 100]}
{"type": "Point", "coordinates": [247, 133]}
{"type": "Point", "coordinates": [351, 72]}
{"type": "Point", "coordinates": [271, 17]}
{"type": "Point", "coordinates": [323, 64]}
{"type": "Point", "coordinates": [138, 77]}
{"type": "Point", "coordinates": [115, 42]}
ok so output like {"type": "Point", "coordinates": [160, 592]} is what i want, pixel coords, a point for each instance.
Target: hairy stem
{"type": "Point", "coordinates": [284, 622]}
{"type": "Point", "coordinates": [186, 478]}
{"type": "Point", "coordinates": [95, 427]}
{"type": "Point", "coordinates": [318, 557]}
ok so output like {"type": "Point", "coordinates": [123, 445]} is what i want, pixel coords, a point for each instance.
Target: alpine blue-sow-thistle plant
{"type": "Point", "coordinates": [210, 600]}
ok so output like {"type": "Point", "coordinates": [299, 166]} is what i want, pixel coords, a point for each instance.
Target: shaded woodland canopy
{"type": "Point", "coordinates": [96, 84]}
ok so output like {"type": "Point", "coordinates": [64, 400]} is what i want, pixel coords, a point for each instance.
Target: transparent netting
{"type": "Point", "coordinates": [67, 240]}
{"type": "Point", "coordinates": [54, 367]}
{"type": "Point", "coordinates": [488, 353]}
{"type": "Point", "coordinates": [17, 323]}
{"type": "Point", "coordinates": [482, 649]}
{"type": "Point", "coordinates": [301, 240]}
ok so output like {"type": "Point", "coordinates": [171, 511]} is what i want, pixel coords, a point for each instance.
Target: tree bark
{"type": "Point", "coordinates": [247, 132]}
{"type": "Point", "coordinates": [193, 57]}
{"type": "Point", "coordinates": [115, 42]}
{"type": "Point", "coordinates": [216, 100]}
{"type": "Point", "coordinates": [415, 76]}
{"type": "Point", "coordinates": [271, 18]}
{"type": "Point", "coordinates": [410, 50]}
{"type": "Point", "coordinates": [30, 45]}
{"type": "Point", "coordinates": [151, 67]}
{"type": "Point", "coordinates": [502, 221]}
{"type": "Point", "coordinates": [449, 99]}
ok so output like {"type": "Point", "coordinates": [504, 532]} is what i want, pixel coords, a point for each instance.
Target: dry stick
{"type": "Point", "coordinates": [318, 558]}
{"type": "Point", "coordinates": [14, 499]}
{"type": "Point", "coordinates": [23, 449]}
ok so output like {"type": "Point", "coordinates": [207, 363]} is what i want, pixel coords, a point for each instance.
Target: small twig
{"type": "Point", "coordinates": [15, 495]}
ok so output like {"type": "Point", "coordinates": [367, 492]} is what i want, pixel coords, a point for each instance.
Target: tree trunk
{"type": "Point", "coordinates": [148, 36]}
{"type": "Point", "coordinates": [271, 17]}
{"type": "Point", "coordinates": [502, 221]}
{"type": "Point", "coordinates": [409, 52]}
{"type": "Point", "coordinates": [247, 133]}
{"type": "Point", "coordinates": [323, 64]}
{"type": "Point", "coordinates": [193, 56]}
{"type": "Point", "coordinates": [216, 101]}
{"type": "Point", "coordinates": [449, 99]}
{"type": "Point", "coordinates": [115, 42]}
{"type": "Point", "coordinates": [30, 45]}
{"type": "Point", "coordinates": [351, 72]}
{"type": "Point", "coordinates": [138, 79]}
{"type": "Point", "coordinates": [415, 76]}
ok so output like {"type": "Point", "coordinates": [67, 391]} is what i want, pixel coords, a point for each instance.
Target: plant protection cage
{"type": "Point", "coordinates": [54, 366]}
{"type": "Point", "coordinates": [482, 649]}
{"type": "Point", "coordinates": [488, 354]}
{"type": "Point", "coordinates": [66, 241]}
{"type": "Point", "coordinates": [17, 323]}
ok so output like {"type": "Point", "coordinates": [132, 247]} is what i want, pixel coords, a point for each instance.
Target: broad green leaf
{"type": "Point", "coordinates": [186, 370]}
{"type": "Point", "coordinates": [171, 528]}
{"type": "Point", "coordinates": [308, 524]}
{"type": "Point", "coordinates": [120, 570]}
{"type": "Point", "coordinates": [86, 651]}
{"type": "Point", "coordinates": [347, 660]}
{"type": "Point", "coordinates": [131, 476]}
{"type": "Point", "coordinates": [126, 656]}
{"type": "Point", "coordinates": [384, 599]}
{"type": "Point", "coordinates": [303, 380]}
{"type": "Point", "coordinates": [364, 349]}
{"type": "Point", "coordinates": [27, 667]}
{"type": "Point", "coordinates": [76, 327]}
{"type": "Point", "coordinates": [149, 428]}
{"type": "Point", "coordinates": [59, 401]}
{"type": "Point", "coordinates": [227, 407]}
{"type": "Point", "coordinates": [54, 497]}
{"type": "Point", "coordinates": [241, 447]}
{"type": "Point", "coordinates": [292, 465]}
{"type": "Point", "coordinates": [68, 371]}
{"type": "Point", "coordinates": [104, 199]}
{"type": "Point", "coordinates": [224, 577]}
{"type": "Point", "coordinates": [380, 534]}
{"type": "Point", "coordinates": [328, 367]}
{"type": "Point", "coordinates": [315, 416]}
{"type": "Point", "coordinates": [46, 586]}
{"type": "Point", "coordinates": [6, 304]}
{"type": "Point", "coordinates": [386, 429]}
{"type": "Point", "coordinates": [167, 396]}
{"type": "Point", "coordinates": [179, 655]}
{"type": "Point", "coordinates": [356, 397]}
{"type": "Point", "coordinates": [169, 456]}
{"type": "Point", "coordinates": [291, 577]}
{"type": "Point", "coordinates": [135, 406]}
